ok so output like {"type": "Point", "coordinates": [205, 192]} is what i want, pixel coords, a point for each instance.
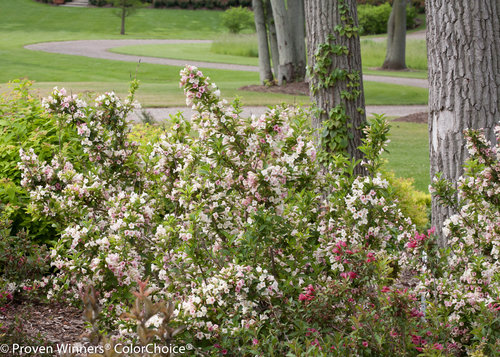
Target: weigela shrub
{"type": "Point", "coordinates": [235, 219]}
{"type": "Point", "coordinates": [462, 283]}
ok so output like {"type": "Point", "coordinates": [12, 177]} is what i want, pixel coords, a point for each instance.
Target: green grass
{"type": "Point", "coordinates": [24, 22]}
{"type": "Point", "coordinates": [408, 153]}
{"type": "Point", "coordinates": [191, 52]}
{"type": "Point", "coordinates": [242, 49]}
{"type": "Point", "coordinates": [43, 23]}
{"type": "Point", "coordinates": [236, 45]}
{"type": "Point", "coordinates": [373, 54]}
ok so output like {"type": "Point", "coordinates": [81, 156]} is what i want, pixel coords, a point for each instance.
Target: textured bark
{"type": "Point", "coordinates": [296, 20]}
{"type": "Point", "coordinates": [286, 71]}
{"type": "Point", "coordinates": [273, 41]}
{"type": "Point", "coordinates": [123, 15]}
{"type": "Point", "coordinates": [260, 24]}
{"type": "Point", "coordinates": [463, 44]}
{"type": "Point", "coordinates": [321, 18]}
{"type": "Point", "coordinates": [396, 37]}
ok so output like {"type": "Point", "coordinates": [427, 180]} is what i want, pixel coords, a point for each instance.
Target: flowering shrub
{"type": "Point", "coordinates": [462, 283]}
{"type": "Point", "coordinates": [22, 261]}
{"type": "Point", "coordinates": [233, 218]}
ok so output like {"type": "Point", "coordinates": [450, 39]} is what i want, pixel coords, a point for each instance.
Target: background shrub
{"type": "Point", "coordinates": [197, 4]}
{"type": "Point", "coordinates": [24, 124]}
{"type": "Point", "coordinates": [237, 18]}
{"type": "Point", "coordinates": [373, 19]}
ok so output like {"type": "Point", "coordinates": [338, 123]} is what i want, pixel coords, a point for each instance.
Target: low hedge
{"type": "Point", "coordinates": [373, 19]}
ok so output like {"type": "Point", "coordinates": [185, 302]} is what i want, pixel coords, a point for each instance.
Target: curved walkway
{"type": "Point", "coordinates": [160, 114]}
{"type": "Point", "coordinates": [100, 49]}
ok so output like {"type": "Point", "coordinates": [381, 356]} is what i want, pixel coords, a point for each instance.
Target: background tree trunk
{"type": "Point", "coordinates": [273, 41]}
{"type": "Point", "coordinates": [296, 20]}
{"type": "Point", "coordinates": [322, 16]}
{"type": "Point", "coordinates": [286, 70]}
{"type": "Point", "coordinates": [123, 16]}
{"type": "Point", "coordinates": [266, 75]}
{"type": "Point", "coordinates": [396, 37]}
{"type": "Point", "coordinates": [463, 49]}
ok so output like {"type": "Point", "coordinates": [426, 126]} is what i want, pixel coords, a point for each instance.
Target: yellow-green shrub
{"type": "Point", "coordinates": [413, 203]}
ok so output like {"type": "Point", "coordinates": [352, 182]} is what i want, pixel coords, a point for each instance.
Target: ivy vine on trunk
{"type": "Point", "coordinates": [335, 79]}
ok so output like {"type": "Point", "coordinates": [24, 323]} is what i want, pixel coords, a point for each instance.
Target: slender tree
{"type": "Point", "coordinates": [286, 71]}
{"type": "Point", "coordinates": [297, 27]}
{"type": "Point", "coordinates": [463, 44]}
{"type": "Point", "coordinates": [273, 40]}
{"type": "Point", "coordinates": [126, 8]}
{"type": "Point", "coordinates": [335, 75]}
{"type": "Point", "coordinates": [266, 75]}
{"type": "Point", "coordinates": [396, 37]}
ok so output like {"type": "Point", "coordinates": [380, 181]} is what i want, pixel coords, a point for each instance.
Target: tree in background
{"type": "Point", "coordinates": [126, 7]}
{"type": "Point", "coordinates": [266, 74]}
{"type": "Point", "coordinates": [285, 28]}
{"type": "Point", "coordinates": [335, 76]}
{"type": "Point", "coordinates": [273, 39]}
{"type": "Point", "coordinates": [463, 49]}
{"type": "Point", "coordinates": [396, 37]}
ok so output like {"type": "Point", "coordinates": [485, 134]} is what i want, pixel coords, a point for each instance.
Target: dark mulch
{"type": "Point", "coordinates": [302, 88]}
{"type": "Point", "coordinates": [295, 88]}
{"type": "Point", "coordinates": [420, 118]}
{"type": "Point", "coordinates": [52, 323]}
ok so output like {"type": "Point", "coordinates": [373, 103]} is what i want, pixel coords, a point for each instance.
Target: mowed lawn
{"type": "Point", "coordinates": [25, 22]}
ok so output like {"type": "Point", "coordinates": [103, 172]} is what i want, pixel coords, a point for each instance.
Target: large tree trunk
{"type": "Point", "coordinates": [286, 70]}
{"type": "Point", "coordinates": [463, 49]}
{"type": "Point", "coordinates": [266, 75]}
{"type": "Point", "coordinates": [396, 37]}
{"type": "Point", "coordinates": [296, 19]}
{"type": "Point", "coordinates": [335, 81]}
{"type": "Point", "coordinates": [273, 41]}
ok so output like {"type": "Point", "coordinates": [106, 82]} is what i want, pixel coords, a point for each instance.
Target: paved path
{"type": "Point", "coordinates": [417, 35]}
{"type": "Point", "coordinates": [160, 114]}
{"type": "Point", "coordinates": [100, 49]}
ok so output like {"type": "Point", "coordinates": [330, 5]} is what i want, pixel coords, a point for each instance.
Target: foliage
{"type": "Point", "coordinates": [462, 283]}
{"type": "Point", "coordinates": [413, 203]}
{"type": "Point", "coordinates": [265, 253]}
{"type": "Point", "coordinates": [337, 128]}
{"type": "Point", "coordinates": [195, 4]}
{"type": "Point", "coordinates": [22, 261]}
{"type": "Point", "coordinates": [233, 223]}
{"type": "Point", "coordinates": [150, 320]}
{"type": "Point", "coordinates": [98, 2]}
{"type": "Point", "coordinates": [24, 124]}
{"type": "Point", "coordinates": [237, 18]}
{"type": "Point", "coordinates": [373, 19]}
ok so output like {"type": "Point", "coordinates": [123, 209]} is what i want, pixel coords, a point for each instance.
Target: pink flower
{"type": "Point", "coordinates": [255, 342]}
{"type": "Point", "coordinates": [412, 244]}
{"type": "Point", "coordinates": [438, 346]}
{"type": "Point", "coordinates": [365, 344]}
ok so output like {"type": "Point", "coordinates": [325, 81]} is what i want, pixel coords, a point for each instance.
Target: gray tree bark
{"type": "Point", "coordinates": [266, 75]}
{"type": "Point", "coordinates": [463, 50]}
{"type": "Point", "coordinates": [273, 41]}
{"type": "Point", "coordinates": [322, 17]}
{"type": "Point", "coordinates": [286, 71]}
{"type": "Point", "coordinates": [296, 21]}
{"type": "Point", "coordinates": [396, 37]}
